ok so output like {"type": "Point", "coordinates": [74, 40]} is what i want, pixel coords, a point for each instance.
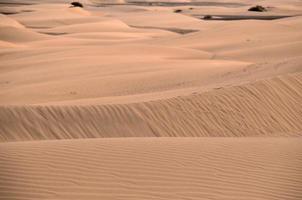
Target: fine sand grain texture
{"type": "Point", "coordinates": [125, 99]}
{"type": "Point", "coordinates": [153, 168]}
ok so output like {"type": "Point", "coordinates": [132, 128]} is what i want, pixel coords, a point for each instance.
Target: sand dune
{"type": "Point", "coordinates": [128, 99]}
{"type": "Point", "coordinates": [265, 108]}
{"type": "Point", "coordinates": [104, 26]}
{"type": "Point", "coordinates": [161, 168]}
{"type": "Point", "coordinates": [7, 21]}
{"type": "Point", "coordinates": [218, 81]}
{"type": "Point", "coordinates": [12, 34]}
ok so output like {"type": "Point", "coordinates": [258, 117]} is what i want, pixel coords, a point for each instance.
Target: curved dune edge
{"type": "Point", "coordinates": [148, 168]}
{"type": "Point", "coordinates": [265, 108]}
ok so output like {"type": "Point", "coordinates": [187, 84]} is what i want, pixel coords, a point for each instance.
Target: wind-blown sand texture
{"type": "Point", "coordinates": [153, 168]}
{"type": "Point", "coordinates": [132, 100]}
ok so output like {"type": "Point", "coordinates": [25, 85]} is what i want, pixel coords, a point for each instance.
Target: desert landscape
{"type": "Point", "coordinates": [148, 99]}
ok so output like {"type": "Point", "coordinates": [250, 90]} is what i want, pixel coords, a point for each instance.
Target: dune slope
{"type": "Point", "coordinates": [266, 108]}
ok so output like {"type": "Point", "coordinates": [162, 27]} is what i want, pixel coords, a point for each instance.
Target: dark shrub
{"type": "Point", "coordinates": [177, 11]}
{"type": "Point", "coordinates": [207, 17]}
{"type": "Point", "coordinates": [257, 9]}
{"type": "Point", "coordinates": [76, 4]}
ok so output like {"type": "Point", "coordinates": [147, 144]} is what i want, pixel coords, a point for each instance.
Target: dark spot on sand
{"type": "Point", "coordinates": [257, 8]}
{"type": "Point", "coordinates": [76, 4]}
{"type": "Point", "coordinates": [242, 17]}
{"type": "Point", "coordinates": [207, 17]}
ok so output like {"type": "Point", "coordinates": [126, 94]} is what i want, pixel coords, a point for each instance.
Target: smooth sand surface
{"type": "Point", "coordinates": [132, 100]}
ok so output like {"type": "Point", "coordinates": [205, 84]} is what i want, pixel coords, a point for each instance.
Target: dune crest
{"type": "Point", "coordinates": [265, 108]}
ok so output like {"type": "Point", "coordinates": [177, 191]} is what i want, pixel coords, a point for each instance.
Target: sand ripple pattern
{"type": "Point", "coordinates": [270, 107]}
{"type": "Point", "coordinates": [152, 168]}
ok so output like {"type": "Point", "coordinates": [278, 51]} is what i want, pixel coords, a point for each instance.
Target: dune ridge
{"type": "Point", "coordinates": [266, 108]}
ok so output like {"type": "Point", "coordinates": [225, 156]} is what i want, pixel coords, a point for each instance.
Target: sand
{"type": "Point", "coordinates": [131, 100]}
{"type": "Point", "coordinates": [153, 168]}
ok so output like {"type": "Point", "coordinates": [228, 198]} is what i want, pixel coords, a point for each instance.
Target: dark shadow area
{"type": "Point", "coordinates": [171, 4]}
{"type": "Point", "coordinates": [175, 30]}
{"type": "Point", "coordinates": [236, 17]}
{"type": "Point", "coordinates": [50, 33]}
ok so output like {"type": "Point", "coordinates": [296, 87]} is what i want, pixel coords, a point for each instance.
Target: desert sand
{"type": "Point", "coordinates": [148, 100]}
